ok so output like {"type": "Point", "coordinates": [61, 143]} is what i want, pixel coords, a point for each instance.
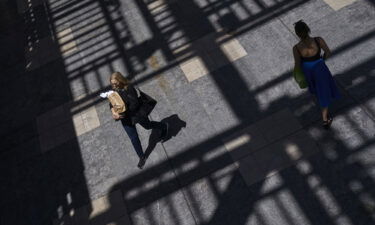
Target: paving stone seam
{"type": "Point", "coordinates": [179, 183]}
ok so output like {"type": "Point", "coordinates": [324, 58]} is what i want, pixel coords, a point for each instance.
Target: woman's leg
{"type": "Point", "coordinates": [325, 113]}
{"type": "Point", "coordinates": [134, 138]}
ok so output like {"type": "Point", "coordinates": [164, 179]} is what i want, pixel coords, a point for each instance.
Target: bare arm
{"type": "Point", "coordinates": [324, 46]}
{"type": "Point", "coordinates": [297, 58]}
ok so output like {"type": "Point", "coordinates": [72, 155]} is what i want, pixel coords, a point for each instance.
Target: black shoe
{"type": "Point", "coordinates": [165, 131]}
{"type": "Point", "coordinates": [141, 162]}
{"type": "Point", "coordinates": [327, 123]}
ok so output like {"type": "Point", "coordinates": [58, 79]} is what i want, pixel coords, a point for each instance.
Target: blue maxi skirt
{"type": "Point", "coordinates": [320, 82]}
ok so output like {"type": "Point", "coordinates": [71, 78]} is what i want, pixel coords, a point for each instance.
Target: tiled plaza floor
{"type": "Point", "coordinates": [246, 145]}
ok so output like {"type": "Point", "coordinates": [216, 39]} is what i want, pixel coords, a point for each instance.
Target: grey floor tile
{"type": "Point", "coordinates": [278, 125]}
{"type": "Point", "coordinates": [244, 142]}
{"type": "Point", "coordinates": [251, 169]}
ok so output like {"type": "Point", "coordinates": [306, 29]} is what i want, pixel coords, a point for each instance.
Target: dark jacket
{"type": "Point", "coordinates": [130, 97]}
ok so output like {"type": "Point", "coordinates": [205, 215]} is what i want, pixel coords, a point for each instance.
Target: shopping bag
{"type": "Point", "coordinates": [117, 102]}
{"type": "Point", "coordinates": [299, 77]}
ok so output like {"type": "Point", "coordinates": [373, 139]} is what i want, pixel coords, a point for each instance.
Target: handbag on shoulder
{"type": "Point", "coordinates": [299, 77]}
{"type": "Point", "coordinates": [147, 103]}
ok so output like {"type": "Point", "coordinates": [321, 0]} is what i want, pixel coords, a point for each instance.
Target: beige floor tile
{"type": "Point", "coordinates": [68, 48]}
{"type": "Point", "coordinates": [65, 35]}
{"type": "Point", "coordinates": [157, 6]}
{"type": "Point", "coordinates": [86, 121]}
{"type": "Point", "coordinates": [233, 50]}
{"type": "Point", "coordinates": [108, 209]}
{"type": "Point", "coordinates": [194, 68]}
{"type": "Point", "coordinates": [338, 4]}
{"type": "Point", "coordinates": [90, 118]}
{"type": "Point", "coordinates": [66, 41]}
{"type": "Point", "coordinates": [79, 125]}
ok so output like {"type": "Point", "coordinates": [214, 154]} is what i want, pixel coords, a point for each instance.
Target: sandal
{"type": "Point", "coordinates": [327, 123]}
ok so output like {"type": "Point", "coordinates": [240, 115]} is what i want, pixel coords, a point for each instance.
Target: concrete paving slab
{"type": "Point", "coordinates": [103, 112]}
{"type": "Point", "coordinates": [233, 50]}
{"type": "Point", "coordinates": [211, 196]}
{"type": "Point", "coordinates": [267, 161]}
{"type": "Point", "coordinates": [171, 208]}
{"type": "Point", "coordinates": [194, 68]}
{"type": "Point", "coordinates": [278, 125]}
{"type": "Point", "coordinates": [52, 118]}
{"type": "Point", "coordinates": [56, 136]}
{"type": "Point", "coordinates": [250, 169]}
{"type": "Point", "coordinates": [267, 47]}
{"type": "Point", "coordinates": [273, 159]}
{"type": "Point", "coordinates": [96, 156]}
{"type": "Point", "coordinates": [244, 142]}
{"type": "Point", "coordinates": [215, 102]}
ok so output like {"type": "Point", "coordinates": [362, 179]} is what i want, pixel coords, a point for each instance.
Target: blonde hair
{"type": "Point", "coordinates": [124, 83]}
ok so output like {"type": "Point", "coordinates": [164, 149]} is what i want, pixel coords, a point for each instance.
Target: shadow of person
{"type": "Point", "coordinates": [175, 125]}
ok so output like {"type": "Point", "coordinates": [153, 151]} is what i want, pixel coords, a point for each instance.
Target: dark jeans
{"type": "Point", "coordinates": [133, 134]}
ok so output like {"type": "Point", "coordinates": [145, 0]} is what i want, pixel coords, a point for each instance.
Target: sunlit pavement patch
{"type": "Point", "coordinates": [66, 41]}
{"type": "Point", "coordinates": [338, 4]}
{"type": "Point", "coordinates": [213, 53]}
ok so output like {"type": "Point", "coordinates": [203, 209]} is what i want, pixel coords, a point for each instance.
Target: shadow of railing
{"type": "Point", "coordinates": [111, 46]}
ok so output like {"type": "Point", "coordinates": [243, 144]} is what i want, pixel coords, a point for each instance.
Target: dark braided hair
{"type": "Point", "coordinates": [301, 29]}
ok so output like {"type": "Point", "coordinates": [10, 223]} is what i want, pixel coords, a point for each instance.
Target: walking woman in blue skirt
{"type": "Point", "coordinates": [307, 56]}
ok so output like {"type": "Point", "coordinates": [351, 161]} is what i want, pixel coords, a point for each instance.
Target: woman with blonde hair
{"type": "Point", "coordinates": [132, 114]}
{"type": "Point", "coordinates": [307, 56]}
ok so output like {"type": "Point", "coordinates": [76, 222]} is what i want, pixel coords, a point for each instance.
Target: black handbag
{"type": "Point", "coordinates": [147, 104]}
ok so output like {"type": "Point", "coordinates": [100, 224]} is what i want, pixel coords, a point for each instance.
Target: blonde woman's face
{"type": "Point", "coordinates": [115, 84]}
